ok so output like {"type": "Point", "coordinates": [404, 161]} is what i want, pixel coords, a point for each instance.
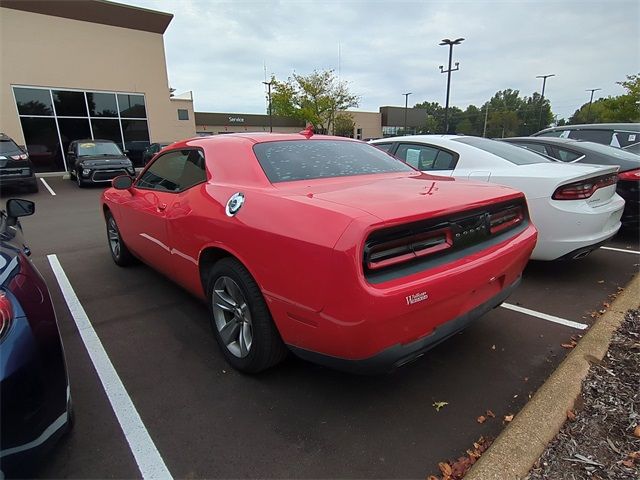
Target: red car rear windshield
{"type": "Point", "coordinates": [291, 160]}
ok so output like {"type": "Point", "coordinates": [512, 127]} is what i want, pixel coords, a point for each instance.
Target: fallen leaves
{"type": "Point", "coordinates": [439, 405]}
{"type": "Point", "coordinates": [487, 415]}
{"type": "Point", "coordinates": [572, 342]}
{"type": "Point", "coordinates": [631, 459]}
{"type": "Point", "coordinates": [636, 431]}
{"type": "Point", "coordinates": [456, 470]}
{"type": "Point", "coordinates": [571, 416]}
{"type": "Point", "coordinates": [508, 418]}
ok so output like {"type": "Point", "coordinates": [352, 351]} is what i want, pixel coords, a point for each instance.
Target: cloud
{"type": "Point", "coordinates": [219, 49]}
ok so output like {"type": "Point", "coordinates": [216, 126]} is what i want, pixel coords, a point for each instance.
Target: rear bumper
{"type": "Point", "coordinates": [14, 179]}
{"type": "Point", "coordinates": [566, 227]}
{"type": "Point", "coordinates": [399, 354]}
{"type": "Point", "coordinates": [362, 321]}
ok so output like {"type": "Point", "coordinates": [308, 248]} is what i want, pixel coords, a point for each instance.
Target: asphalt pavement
{"type": "Point", "coordinates": [298, 419]}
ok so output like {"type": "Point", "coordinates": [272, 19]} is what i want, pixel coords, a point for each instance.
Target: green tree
{"type": "Point", "coordinates": [623, 108]}
{"type": "Point", "coordinates": [315, 98]}
{"type": "Point", "coordinates": [344, 125]}
{"type": "Point", "coordinates": [434, 120]}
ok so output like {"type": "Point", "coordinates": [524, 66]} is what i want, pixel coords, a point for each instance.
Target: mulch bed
{"type": "Point", "coordinates": [601, 439]}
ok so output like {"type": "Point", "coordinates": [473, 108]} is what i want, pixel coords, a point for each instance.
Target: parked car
{"type": "Point", "coordinates": [15, 166]}
{"type": "Point", "coordinates": [575, 207]}
{"type": "Point", "coordinates": [320, 245]}
{"type": "Point", "coordinates": [135, 151]}
{"type": "Point", "coordinates": [619, 135]}
{"type": "Point", "coordinates": [96, 161]}
{"type": "Point", "coordinates": [36, 403]}
{"type": "Point", "coordinates": [151, 150]}
{"type": "Point", "coordinates": [575, 151]}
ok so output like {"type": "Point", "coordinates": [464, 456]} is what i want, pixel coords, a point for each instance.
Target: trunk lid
{"type": "Point", "coordinates": [402, 198]}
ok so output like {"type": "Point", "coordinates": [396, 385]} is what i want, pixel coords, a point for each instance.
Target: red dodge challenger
{"type": "Point", "coordinates": [323, 246]}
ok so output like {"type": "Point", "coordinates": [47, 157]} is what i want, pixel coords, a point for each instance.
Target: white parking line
{"type": "Point", "coordinates": [150, 463]}
{"type": "Point", "coordinates": [44, 182]}
{"type": "Point", "coordinates": [544, 316]}
{"type": "Point", "coordinates": [620, 250]}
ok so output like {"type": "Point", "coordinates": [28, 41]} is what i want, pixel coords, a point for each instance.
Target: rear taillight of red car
{"type": "Point", "coordinates": [423, 240]}
{"type": "Point", "coordinates": [6, 314]}
{"type": "Point", "coordinates": [630, 175]}
{"type": "Point", "coordinates": [408, 247]}
{"type": "Point", "coordinates": [505, 219]}
{"type": "Point", "coordinates": [584, 188]}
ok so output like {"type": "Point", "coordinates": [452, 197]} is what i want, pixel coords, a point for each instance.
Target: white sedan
{"type": "Point", "coordinates": [575, 207]}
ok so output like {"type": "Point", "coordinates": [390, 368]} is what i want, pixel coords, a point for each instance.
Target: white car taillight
{"type": "Point", "coordinates": [584, 188]}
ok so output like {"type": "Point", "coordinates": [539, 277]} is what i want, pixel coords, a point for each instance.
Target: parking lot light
{"type": "Point", "coordinates": [591, 101]}
{"type": "Point", "coordinates": [544, 82]}
{"type": "Point", "coordinates": [406, 104]}
{"type": "Point", "coordinates": [448, 71]}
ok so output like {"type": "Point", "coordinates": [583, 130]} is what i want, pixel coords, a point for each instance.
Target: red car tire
{"type": "Point", "coordinates": [118, 249]}
{"type": "Point", "coordinates": [241, 320]}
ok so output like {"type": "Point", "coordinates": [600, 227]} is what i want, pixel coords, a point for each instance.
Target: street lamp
{"type": "Point", "coordinates": [451, 43]}
{"type": "Point", "coordinates": [591, 100]}
{"type": "Point", "coordinates": [406, 104]}
{"type": "Point", "coordinates": [268, 84]}
{"type": "Point", "coordinates": [544, 82]}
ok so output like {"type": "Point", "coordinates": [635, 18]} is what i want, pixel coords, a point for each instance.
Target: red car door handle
{"type": "Point", "coordinates": [161, 207]}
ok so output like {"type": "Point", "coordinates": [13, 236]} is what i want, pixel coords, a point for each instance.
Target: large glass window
{"type": "Point", "coordinates": [33, 101]}
{"type": "Point", "coordinates": [43, 144]}
{"type": "Point", "coordinates": [73, 129]}
{"type": "Point", "coordinates": [107, 130]}
{"type": "Point", "coordinates": [69, 104]}
{"type": "Point", "coordinates": [119, 117]}
{"type": "Point", "coordinates": [102, 104]}
{"type": "Point", "coordinates": [131, 106]}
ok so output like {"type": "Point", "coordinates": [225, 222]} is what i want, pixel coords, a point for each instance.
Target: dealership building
{"type": "Point", "coordinates": [96, 69]}
{"type": "Point", "coordinates": [366, 124]}
{"type": "Point", "coordinates": [89, 69]}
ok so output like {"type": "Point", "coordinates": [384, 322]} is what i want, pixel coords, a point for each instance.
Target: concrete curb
{"type": "Point", "coordinates": [523, 441]}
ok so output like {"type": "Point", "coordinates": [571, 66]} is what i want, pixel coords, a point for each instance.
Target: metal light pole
{"type": "Point", "coordinates": [268, 84]}
{"type": "Point", "coordinates": [591, 100]}
{"type": "Point", "coordinates": [544, 82]}
{"type": "Point", "coordinates": [406, 104]}
{"type": "Point", "coordinates": [448, 71]}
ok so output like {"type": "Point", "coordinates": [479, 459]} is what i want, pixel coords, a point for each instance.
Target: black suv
{"type": "Point", "coordinates": [96, 161]}
{"type": "Point", "coordinates": [15, 166]}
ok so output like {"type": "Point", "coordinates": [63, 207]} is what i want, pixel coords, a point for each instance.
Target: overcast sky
{"type": "Point", "coordinates": [218, 49]}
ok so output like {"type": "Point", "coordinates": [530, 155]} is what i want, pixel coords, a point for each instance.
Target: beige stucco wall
{"type": "Point", "coordinates": [369, 122]}
{"type": "Point", "coordinates": [45, 51]}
